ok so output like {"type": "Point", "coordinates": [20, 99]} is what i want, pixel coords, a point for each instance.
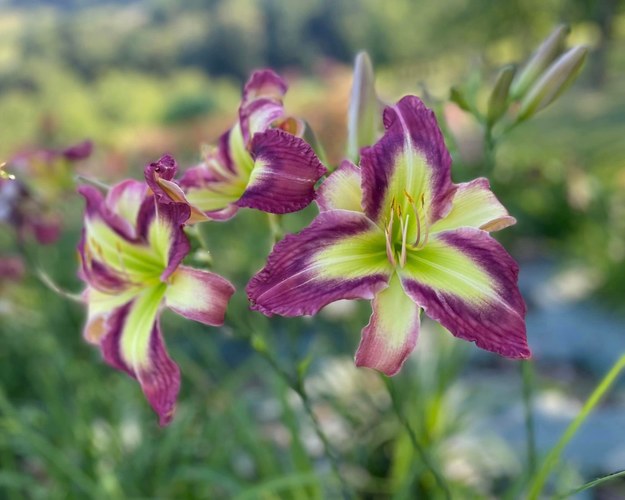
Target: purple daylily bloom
{"type": "Point", "coordinates": [131, 252]}
{"type": "Point", "coordinates": [399, 232]}
{"type": "Point", "coordinates": [261, 162]}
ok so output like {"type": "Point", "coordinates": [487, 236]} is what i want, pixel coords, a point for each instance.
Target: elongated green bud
{"type": "Point", "coordinates": [364, 119]}
{"type": "Point", "coordinates": [556, 80]}
{"type": "Point", "coordinates": [498, 101]}
{"type": "Point", "coordinates": [542, 58]}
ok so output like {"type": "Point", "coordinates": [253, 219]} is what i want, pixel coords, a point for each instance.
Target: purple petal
{"type": "Point", "coordinates": [158, 375]}
{"type": "Point", "coordinates": [165, 168]}
{"type": "Point", "coordinates": [199, 295]}
{"type": "Point", "coordinates": [341, 255]}
{"type": "Point", "coordinates": [392, 332]}
{"type": "Point", "coordinates": [465, 280]}
{"type": "Point", "coordinates": [410, 158]}
{"type": "Point", "coordinates": [284, 175]}
{"type": "Point", "coordinates": [78, 151]}
{"type": "Point", "coordinates": [264, 83]}
{"type": "Point", "coordinates": [258, 116]}
{"type": "Point", "coordinates": [341, 190]}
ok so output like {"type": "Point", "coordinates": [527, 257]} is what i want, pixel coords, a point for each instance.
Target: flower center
{"type": "Point", "coordinates": [407, 220]}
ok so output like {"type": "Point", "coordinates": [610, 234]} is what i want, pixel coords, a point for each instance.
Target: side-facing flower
{"type": "Point", "coordinates": [131, 252]}
{"type": "Point", "coordinates": [398, 231]}
{"type": "Point", "coordinates": [261, 162]}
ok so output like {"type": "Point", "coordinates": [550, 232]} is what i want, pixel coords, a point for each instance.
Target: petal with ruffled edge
{"type": "Point", "coordinates": [159, 176]}
{"type": "Point", "coordinates": [199, 295]}
{"type": "Point", "coordinates": [409, 165]}
{"type": "Point", "coordinates": [341, 190]}
{"type": "Point", "coordinates": [392, 332]}
{"type": "Point", "coordinates": [466, 281]}
{"type": "Point", "coordinates": [284, 176]}
{"type": "Point", "coordinates": [341, 255]}
{"type": "Point", "coordinates": [475, 205]}
{"type": "Point", "coordinates": [133, 343]}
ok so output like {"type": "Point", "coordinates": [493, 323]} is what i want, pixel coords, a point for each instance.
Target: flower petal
{"type": "Point", "coordinates": [162, 226]}
{"type": "Point", "coordinates": [475, 205]}
{"type": "Point", "coordinates": [465, 280]}
{"type": "Point", "coordinates": [341, 190]}
{"type": "Point", "coordinates": [113, 254]}
{"type": "Point", "coordinates": [284, 175]}
{"type": "Point", "coordinates": [100, 305]}
{"type": "Point", "coordinates": [125, 199]}
{"type": "Point", "coordinates": [341, 255]}
{"type": "Point", "coordinates": [160, 177]}
{"type": "Point", "coordinates": [392, 332]}
{"type": "Point", "coordinates": [411, 158]}
{"type": "Point", "coordinates": [264, 83]}
{"type": "Point", "coordinates": [133, 343]}
{"type": "Point", "coordinates": [199, 295]}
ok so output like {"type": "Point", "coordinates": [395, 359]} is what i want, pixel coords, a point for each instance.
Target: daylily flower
{"type": "Point", "coordinates": [261, 162]}
{"type": "Point", "coordinates": [28, 198]}
{"type": "Point", "coordinates": [398, 231]}
{"type": "Point", "coordinates": [131, 253]}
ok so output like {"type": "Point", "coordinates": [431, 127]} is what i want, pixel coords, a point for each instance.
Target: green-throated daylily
{"type": "Point", "coordinates": [131, 252]}
{"type": "Point", "coordinates": [398, 231]}
{"type": "Point", "coordinates": [261, 162]}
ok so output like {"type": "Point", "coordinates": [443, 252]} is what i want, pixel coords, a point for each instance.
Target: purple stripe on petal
{"type": "Point", "coordinates": [258, 116]}
{"type": "Point", "coordinates": [292, 283]}
{"type": "Point", "coordinates": [96, 207]}
{"type": "Point", "coordinates": [264, 83]}
{"type": "Point", "coordinates": [165, 168]}
{"type": "Point", "coordinates": [408, 124]}
{"type": "Point", "coordinates": [284, 175]}
{"type": "Point", "coordinates": [175, 215]}
{"type": "Point", "coordinates": [199, 295]}
{"type": "Point", "coordinates": [160, 381]}
{"type": "Point", "coordinates": [495, 321]}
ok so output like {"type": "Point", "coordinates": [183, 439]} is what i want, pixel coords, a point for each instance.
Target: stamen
{"type": "Point", "coordinates": [404, 233]}
{"type": "Point", "coordinates": [388, 232]}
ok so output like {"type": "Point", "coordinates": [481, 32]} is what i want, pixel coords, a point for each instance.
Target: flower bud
{"type": "Point", "coordinates": [556, 80]}
{"type": "Point", "coordinates": [363, 115]}
{"type": "Point", "coordinates": [498, 101]}
{"type": "Point", "coordinates": [542, 58]}
{"type": "Point", "coordinates": [457, 96]}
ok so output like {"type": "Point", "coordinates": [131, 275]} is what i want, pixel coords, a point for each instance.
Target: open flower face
{"type": "Point", "coordinates": [261, 162]}
{"type": "Point", "coordinates": [131, 254]}
{"type": "Point", "coordinates": [398, 231]}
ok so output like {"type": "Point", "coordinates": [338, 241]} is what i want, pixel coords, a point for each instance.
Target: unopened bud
{"type": "Point", "coordinates": [542, 58]}
{"type": "Point", "coordinates": [556, 80]}
{"type": "Point", "coordinates": [364, 118]}
{"type": "Point", "coordinates": [498, 101]}
{"type": "Point", "coordinates": [456, 96]}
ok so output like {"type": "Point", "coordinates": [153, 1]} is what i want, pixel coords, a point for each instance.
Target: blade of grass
{"type": "Point", "coordinates": [538, 483]}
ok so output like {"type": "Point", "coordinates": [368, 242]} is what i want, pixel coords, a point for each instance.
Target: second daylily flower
{"type": "Point", "coordinates": [398, 231]}
{"type": "Point", "coordinates": [131, 252]}
{"type": "Point", "coordinates": [261, 162]}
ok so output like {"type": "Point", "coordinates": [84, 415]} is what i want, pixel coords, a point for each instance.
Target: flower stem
{"type": "Point", "coordinates": [527, 373]}
{"type": "Point", "coordinates": [440, 480]}
{"type": "Point", "coordinates": [538, 483]}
